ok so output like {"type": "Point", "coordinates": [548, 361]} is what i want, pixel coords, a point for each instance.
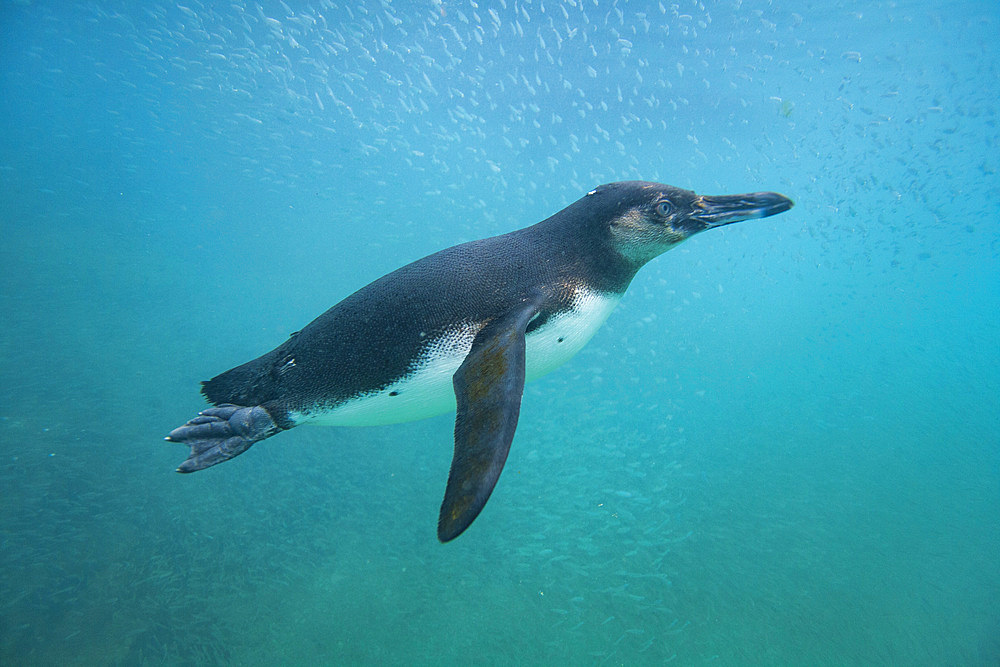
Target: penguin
{"type": "Point", "coordinates": [462, 329]}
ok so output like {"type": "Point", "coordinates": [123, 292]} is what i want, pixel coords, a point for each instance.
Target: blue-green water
{"type": "Point", "coordinates": [782, 448]}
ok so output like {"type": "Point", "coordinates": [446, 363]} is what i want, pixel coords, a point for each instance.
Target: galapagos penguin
{"type": "Point", "coordinates": [463, 328]}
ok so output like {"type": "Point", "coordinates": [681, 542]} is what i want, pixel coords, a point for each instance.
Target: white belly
{"type": "Point", "coordinates": [428, 390]}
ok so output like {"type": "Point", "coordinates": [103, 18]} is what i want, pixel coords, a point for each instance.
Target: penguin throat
{"type": "Point", "coordinates": [639, 252]}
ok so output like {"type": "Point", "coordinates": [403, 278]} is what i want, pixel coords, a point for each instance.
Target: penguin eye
{"type": "Point", "coordinates": [664, 209]}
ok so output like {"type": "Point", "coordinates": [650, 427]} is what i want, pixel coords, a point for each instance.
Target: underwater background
{"type": "Point", "coordinates": [782, 448]}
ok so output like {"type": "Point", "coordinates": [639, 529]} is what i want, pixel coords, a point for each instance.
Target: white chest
{"type": "Point", "coordinates": [428, 390]}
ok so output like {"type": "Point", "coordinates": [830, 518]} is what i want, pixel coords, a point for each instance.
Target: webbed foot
{"type": "Point", "coordinates": [220, 433]}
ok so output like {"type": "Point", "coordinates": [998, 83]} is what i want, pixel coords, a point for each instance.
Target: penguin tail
{"type": "Point", "coordinates": [244, 385]}
{"type": "Point", "coordinates": [229, 387]}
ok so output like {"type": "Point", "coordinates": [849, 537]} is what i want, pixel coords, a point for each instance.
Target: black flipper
{"type": "Point", "coordinates": [218, 434]}
{"type": "Point", "coordinates": [488, 388]}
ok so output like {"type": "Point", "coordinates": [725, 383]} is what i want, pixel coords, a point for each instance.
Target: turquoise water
{"type": "Point", "coordinates": [782, 448]}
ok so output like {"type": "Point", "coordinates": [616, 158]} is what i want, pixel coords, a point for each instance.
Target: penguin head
{"type": "Point", "coordinates": [647, 219]}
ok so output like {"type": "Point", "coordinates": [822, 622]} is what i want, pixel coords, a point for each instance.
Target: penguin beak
{"type": "Point", "coordinates": [726, 209]}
